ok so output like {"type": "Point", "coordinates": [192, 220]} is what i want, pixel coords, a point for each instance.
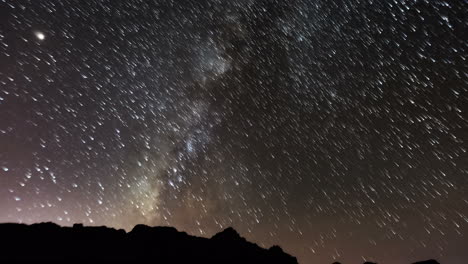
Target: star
{"type": "Point", "coordinates": [39, 35]}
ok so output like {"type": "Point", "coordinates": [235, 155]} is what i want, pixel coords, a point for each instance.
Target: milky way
{"type": "Point", "coordinates": [336, 129]}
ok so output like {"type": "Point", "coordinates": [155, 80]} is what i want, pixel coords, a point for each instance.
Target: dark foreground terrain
{"type": "Point", "coordinates": [48, 242]}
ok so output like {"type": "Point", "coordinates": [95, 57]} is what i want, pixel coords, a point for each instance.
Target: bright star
{"type": "Point", "coordinates": [39, 35]}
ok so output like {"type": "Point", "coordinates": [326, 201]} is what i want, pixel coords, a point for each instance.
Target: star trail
{"type": "Point", "coordinates": [335, 129]}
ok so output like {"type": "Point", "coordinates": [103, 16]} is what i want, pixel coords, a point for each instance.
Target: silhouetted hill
{"type": "Point", "coordinates": [48, 242]}
{"type": "Point", "coordinates": [431, 261]}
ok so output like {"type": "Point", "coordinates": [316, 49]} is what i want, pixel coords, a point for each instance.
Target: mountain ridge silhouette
{"type": "Point", "coordinates": [51, 243]}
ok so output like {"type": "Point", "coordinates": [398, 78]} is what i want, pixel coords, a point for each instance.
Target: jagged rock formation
{"type": "Point", "coordinates": [48, 242]}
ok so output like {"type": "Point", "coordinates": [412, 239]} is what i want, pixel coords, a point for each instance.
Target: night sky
{"type": "Point", "coordinates": [336, 129]}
